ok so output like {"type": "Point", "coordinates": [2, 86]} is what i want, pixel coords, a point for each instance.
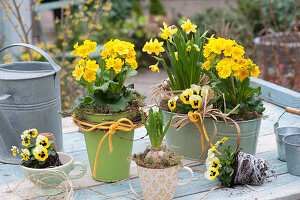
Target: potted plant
{"type": "Point", "coordinates": [110, 109]}
{"type": "Point", "coordinates": [236, 167]}
{"type": "Point", "coordinates": [158, 167]}
{"type": "Point", "coordinates": [194, 73]}
{"type": "Point", "coordinates": [42, 165]}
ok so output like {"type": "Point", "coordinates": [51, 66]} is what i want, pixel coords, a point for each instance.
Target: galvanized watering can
{"type": "Point", "coordinates": [29, 98]}
{"type": "Point", "coordinates": [281, 132]}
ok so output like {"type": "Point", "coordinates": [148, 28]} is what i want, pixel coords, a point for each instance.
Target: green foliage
{"type": "Point", "coordinates": [157, 8]}
{"type": "Point", "coordinates": [226, 165]}
{"type": "Point", "coordinates": [187, 69]}
{"type": "Point", "coordinates": [155, 127]}
{"type": "Point", "coordinates": [120, 9]}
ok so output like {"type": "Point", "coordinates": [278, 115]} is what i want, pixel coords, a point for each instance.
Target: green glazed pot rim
{"type": "Point", "coordinates": [239, 122]}
{"type": "Point", "coordinates": [52, 168]}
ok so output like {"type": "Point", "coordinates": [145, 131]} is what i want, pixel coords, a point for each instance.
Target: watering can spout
{"type": "Point", "coordinates": [8, 136]}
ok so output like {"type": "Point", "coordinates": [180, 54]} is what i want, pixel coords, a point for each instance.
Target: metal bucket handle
{"type": "Point", "coordinates": [43, 53]}
{"type": "Point", "coordinates": [288, 110]}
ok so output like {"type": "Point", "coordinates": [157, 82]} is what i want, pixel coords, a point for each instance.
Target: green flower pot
{"type": "Point", "coordinates": [187, 141]}
{"type": "Point", "coordinates": [48, 180]}
{"type": "Point", "coordinates": [111, 166]}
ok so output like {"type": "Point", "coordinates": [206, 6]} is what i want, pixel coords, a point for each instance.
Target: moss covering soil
{"type": "Point", "coordinates": [157, 158]}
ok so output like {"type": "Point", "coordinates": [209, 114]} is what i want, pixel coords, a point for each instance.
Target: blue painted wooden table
{"type": "Point", "coordinates": [284, 186]}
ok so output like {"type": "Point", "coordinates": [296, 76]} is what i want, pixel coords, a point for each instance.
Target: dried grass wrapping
{"type": "Point", "coordinates": [249, 169]}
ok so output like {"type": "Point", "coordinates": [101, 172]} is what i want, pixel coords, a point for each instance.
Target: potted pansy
{"type": "Point", "coordinates": [234, 167]}
{"type": "Point", "coordinates": [110, 111]}
{"type": "Point", "coordinates": [158, 167]}
{"type": "Point", "coordinates": [208, 85]}
{"type": "Point", "coordinates": [42, 165]}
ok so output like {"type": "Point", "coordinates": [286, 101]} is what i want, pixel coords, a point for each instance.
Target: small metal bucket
{"type": "Point", "coordinates": [281, 132]}
{"type": "Point", "coordinates": [292, 150]}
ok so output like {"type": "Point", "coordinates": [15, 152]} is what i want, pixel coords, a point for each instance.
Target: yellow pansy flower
{"type": "Point", "coordinates": [188, 27]}
{"type": "Point", "coordinates": [196, 89]}
{"type": "Point", "coordinates": [25, 154]}
{"type": "Point", "coordinates": [89, 75]}
{"type": "Point", "coordinates": [43, 141]}
{"type": "Point", "coordinates": [26, 141]}
{"type": "Point", "coordinates": [78, 72]}
{"type": "Point", "coordinates": [172, 103]}
{"type": "Point", "coordinates": [212, 163]}
{"type": "Point", "coordinates": [14, 150]}
{"type": "Point", "coordinates": [167, 32]}
{"type": "Point", "coordinates": [40, 153]}
{"type": "Point", "coordinates": [185, 96]}
{"type": "Point", "coordinates": [154, 68]}
{"type": "Point", "coordinates": [211, 174]}
{"type": "Point", "coordinates": [32, 132]}
{"type": "Point", "coordinates": [195, 101]}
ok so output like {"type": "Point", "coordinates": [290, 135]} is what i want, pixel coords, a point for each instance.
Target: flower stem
{"type": "Point", "coordinates": [233, 88]}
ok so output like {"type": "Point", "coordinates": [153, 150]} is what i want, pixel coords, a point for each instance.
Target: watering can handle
{"type": "Point", "coordinates": [43, 53]}
{"type": "Point", "coordinates": [292, 110]}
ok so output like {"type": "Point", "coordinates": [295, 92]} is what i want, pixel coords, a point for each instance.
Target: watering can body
{"type": "Point", "coordinates": [29, 98]}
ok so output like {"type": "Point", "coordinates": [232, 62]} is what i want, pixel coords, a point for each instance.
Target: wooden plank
{"type": "Point", "coordinates": [276, 94]}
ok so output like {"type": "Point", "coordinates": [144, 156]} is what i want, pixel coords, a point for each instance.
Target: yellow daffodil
{"type": "Point", "coordinates": [195, 101]}
{"type": "Point", "coordinates": [147, 47]}
{"type": "Point", "coordinates": [89, 75]}
{"type": "Point", "coordinates": [188, 27]}
{"type": "Point", "coordinates": [14, 150]}
{"type": "Point", "coordinates": [78, 72]}
{"type": "Point", "coordinates": [40, 153]}
{"type": "Point", "coordinates": [91, 65]}
{"type": "Point", "coordinates": [172, 103]}
{"type": "Point", "coordinates": [154, 68]}
{"type": "Point", "coordinates": [25, 154]}
{"type": "Point", "coordinates": [196, 89]}
{"type": "Point", "coordinates": [185, 96]}
{"type": "Point", "coordinates": [167, 32]}
{"type": "Point", "coordinates": [224, 139]}
{"type": "Point", "coordinates": [196, 47]}
{"type": "Point", "coordinates": [189, 48]}
{"type": "Point", "coordinates": [211, 174]}
{"type": "Point", "coordinates": [43, 141]}
{"type": "Point", "coordinates": [176, 55]}
{"type": "Point", "coordinates": [154, 47]}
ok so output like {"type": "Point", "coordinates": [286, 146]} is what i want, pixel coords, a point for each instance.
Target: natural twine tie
{"type": "Point", "coordinates": [194, 117]}
{"type": "Point", "coordinates": [111, 126]}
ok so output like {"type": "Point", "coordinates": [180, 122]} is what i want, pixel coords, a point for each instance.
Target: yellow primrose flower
{"type": "Point", "coordinates": [196, 89]}
{"type": "Point", "coordinates": [81, 62]}
{"type": "Point", "coordinates": [26, 57]}
{"type": "Point", "coordinates": [189, 48]}
{"type": "Point", "coordinates": [176, 55]}
{"type": "Point", "coordinates": [188, 26]}
{"type": "Point", "coordinates": [14, 150]}
{"type": "Point", "coordinates": [167, 32]}
{"type": "Point", "coordinates": [132, 62]}
{"type": "Point", "coordinates": [255, 71]}
{"type": "Point", "coordinates": [40, 153]}
{"type": "Point", "coordinates": [211, 57]}
{"type": "Point", "coordinates": [118, 63]}
{"type": "Point", "coordinates": [206, 65]}
{"type": "Point", "coordinates": [237, 52]}
{"type": "Point", "coordinates": [195, 101]}
{"type": "Point", "coordinates": [242, 74]}
{"type": "Point", "coordinates": [185, 96]}
{"type": "Point", "coordinates": [43, 141]}
{"type": "Point", "coordinates": [172, 103]}
{"type": "Point", "coordinates": [77, 73]}
{"type": "Point", "coordinates": [211, 174]}
{"type": "Point", "coordinates": [154, 68]}
{"type": "Point", "coordinates": [25, 154]}
{"type": "Point", "coordinates": [32, 132]}
{"type": "Point", "coordinates": [121, 48]}
{"type": "Point", "coordinates": [89, 75]}
{"type": "Point", "coordinates": [91, 65]}
{"type": "Point", "coordinates": [206, 51]}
